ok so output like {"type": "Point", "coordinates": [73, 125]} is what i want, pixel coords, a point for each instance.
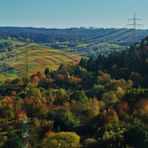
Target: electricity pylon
{"type": "Point", "coordinates": [134, 26]}
{"type": "Point", "coordinates": [25, 133]}
{"type": "Point", "coordinates": [25, 127]}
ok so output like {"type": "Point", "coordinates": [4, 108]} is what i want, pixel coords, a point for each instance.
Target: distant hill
{"type": "Point", "coordinates": [72, 35]}
{"type": "Point", "coordinates": [87, 42]}
{"type": "Point", "coordinates": [39, 57]}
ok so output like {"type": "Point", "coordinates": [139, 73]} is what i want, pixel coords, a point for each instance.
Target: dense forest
{"type": "Point", "coordinates": [100, 102]}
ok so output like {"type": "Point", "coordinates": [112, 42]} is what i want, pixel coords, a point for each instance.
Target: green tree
{"type": "Point", "coordinates": [34, 92]}
{"type": "Point", "coordinates": [110, 97]}
{"type": "Point", "coordinates": [79, 95]}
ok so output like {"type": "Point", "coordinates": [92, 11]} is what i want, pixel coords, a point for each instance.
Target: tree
{"type": "Point", "coordinates": [40, 75]}
{"type": "Point", "coordinates": [17, 82]}
{"type": "Point", "coordinates": [103, 78]}
{"type": "Point", "coordinates": [34, 81]}
{"type": "Point", "coordinates": [137, 134]}
{"type": "Point", "coordinates": [91, 107]}
{"type": "Point", "coordinates": [34, 92]}
{"type": "Point", "coordinates": [110, 97]}
{"type": "Point", "coordinates": [79, 95]}
{"type": "Point", "coordinates": [70, 120]}
{"type": "Point", "coordinates": [123, 108]}
{"type": "Point", "coordinates": [61, 140]}
{"type": "Point", "coordinates": [61, 96]}
{"type": "Point", "coordinates": [74, 80]}
{"type": "Point", "coordinates": [109, 116]}
{"type": "Point", "coordinates": [7, 109]}
{"type": "Point", "coordinates": [136, 78]}
{"type": "Point", "coordinates": [142, 109]}
{"type": "Point", "coordinates": [112, 135]}
{"type": "Point", "coordinates": [47, 72]}
{"type": "Point", "coordinates": [90, 143]}
{"type": "Point", "coordinates": [96, 91]}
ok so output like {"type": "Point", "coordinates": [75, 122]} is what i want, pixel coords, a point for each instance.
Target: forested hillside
{"type": "Point", "coordinates": [100, 102]}
{"type": "Point", "coordinates": [130, 64]}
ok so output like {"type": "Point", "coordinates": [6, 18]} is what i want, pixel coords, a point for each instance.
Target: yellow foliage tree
{"type": "Point", "coordinates": [61, 140]}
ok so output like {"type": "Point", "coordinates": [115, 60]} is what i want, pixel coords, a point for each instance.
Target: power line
{"type": "Point", "coordinates": [105, 38]}
{"type": "Point", "coordinates": [100, 35]}
{"type": "Point", "coordinates": [134, 26]}
{"type": "Point", "coordinates": [27, 67]}
{"type": "Point", "coordinates": [118, 38]}
{"type": "Point", "coordinates": [113, 40]}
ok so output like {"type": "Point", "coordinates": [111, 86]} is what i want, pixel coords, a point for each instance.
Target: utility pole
{"type": "Point", "coordinates": [134, 26]}
{"type": "Point", "coordinates": [25, 121]}
{"type": "Point", "coordinates": [25, 133]}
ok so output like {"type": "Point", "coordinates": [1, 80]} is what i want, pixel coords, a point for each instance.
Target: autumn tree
{"type": "Point", "coordinates": [61, 140]}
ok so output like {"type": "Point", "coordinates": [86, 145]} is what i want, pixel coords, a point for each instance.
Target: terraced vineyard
{"type": "Point", "coordinates": [39, 57]}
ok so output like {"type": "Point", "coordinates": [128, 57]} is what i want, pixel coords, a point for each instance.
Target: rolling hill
{"type": "Point", "coordinates": [38, 57]}
{"type": "Point", "coordinates": [55, 37]}
{"type": "Point", "coordinates": [93, 50]}
{"type": "Point", "coordinates": [87, 42]}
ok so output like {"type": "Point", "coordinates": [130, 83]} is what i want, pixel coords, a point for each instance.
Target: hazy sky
{"type": "Point", "coordinates": [71, 13]}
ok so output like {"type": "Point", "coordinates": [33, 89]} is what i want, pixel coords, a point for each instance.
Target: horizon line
{"type": "Point", "coordinates": [68, 27]}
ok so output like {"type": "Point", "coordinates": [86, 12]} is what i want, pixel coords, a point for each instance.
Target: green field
{"type": "Point", "coordinates": [38, 57]}
{"type": "Point", "coordinates": [11, 41]}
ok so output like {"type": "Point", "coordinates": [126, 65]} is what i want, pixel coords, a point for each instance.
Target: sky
{"type": "Point", "coordinates": [72, 13]}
